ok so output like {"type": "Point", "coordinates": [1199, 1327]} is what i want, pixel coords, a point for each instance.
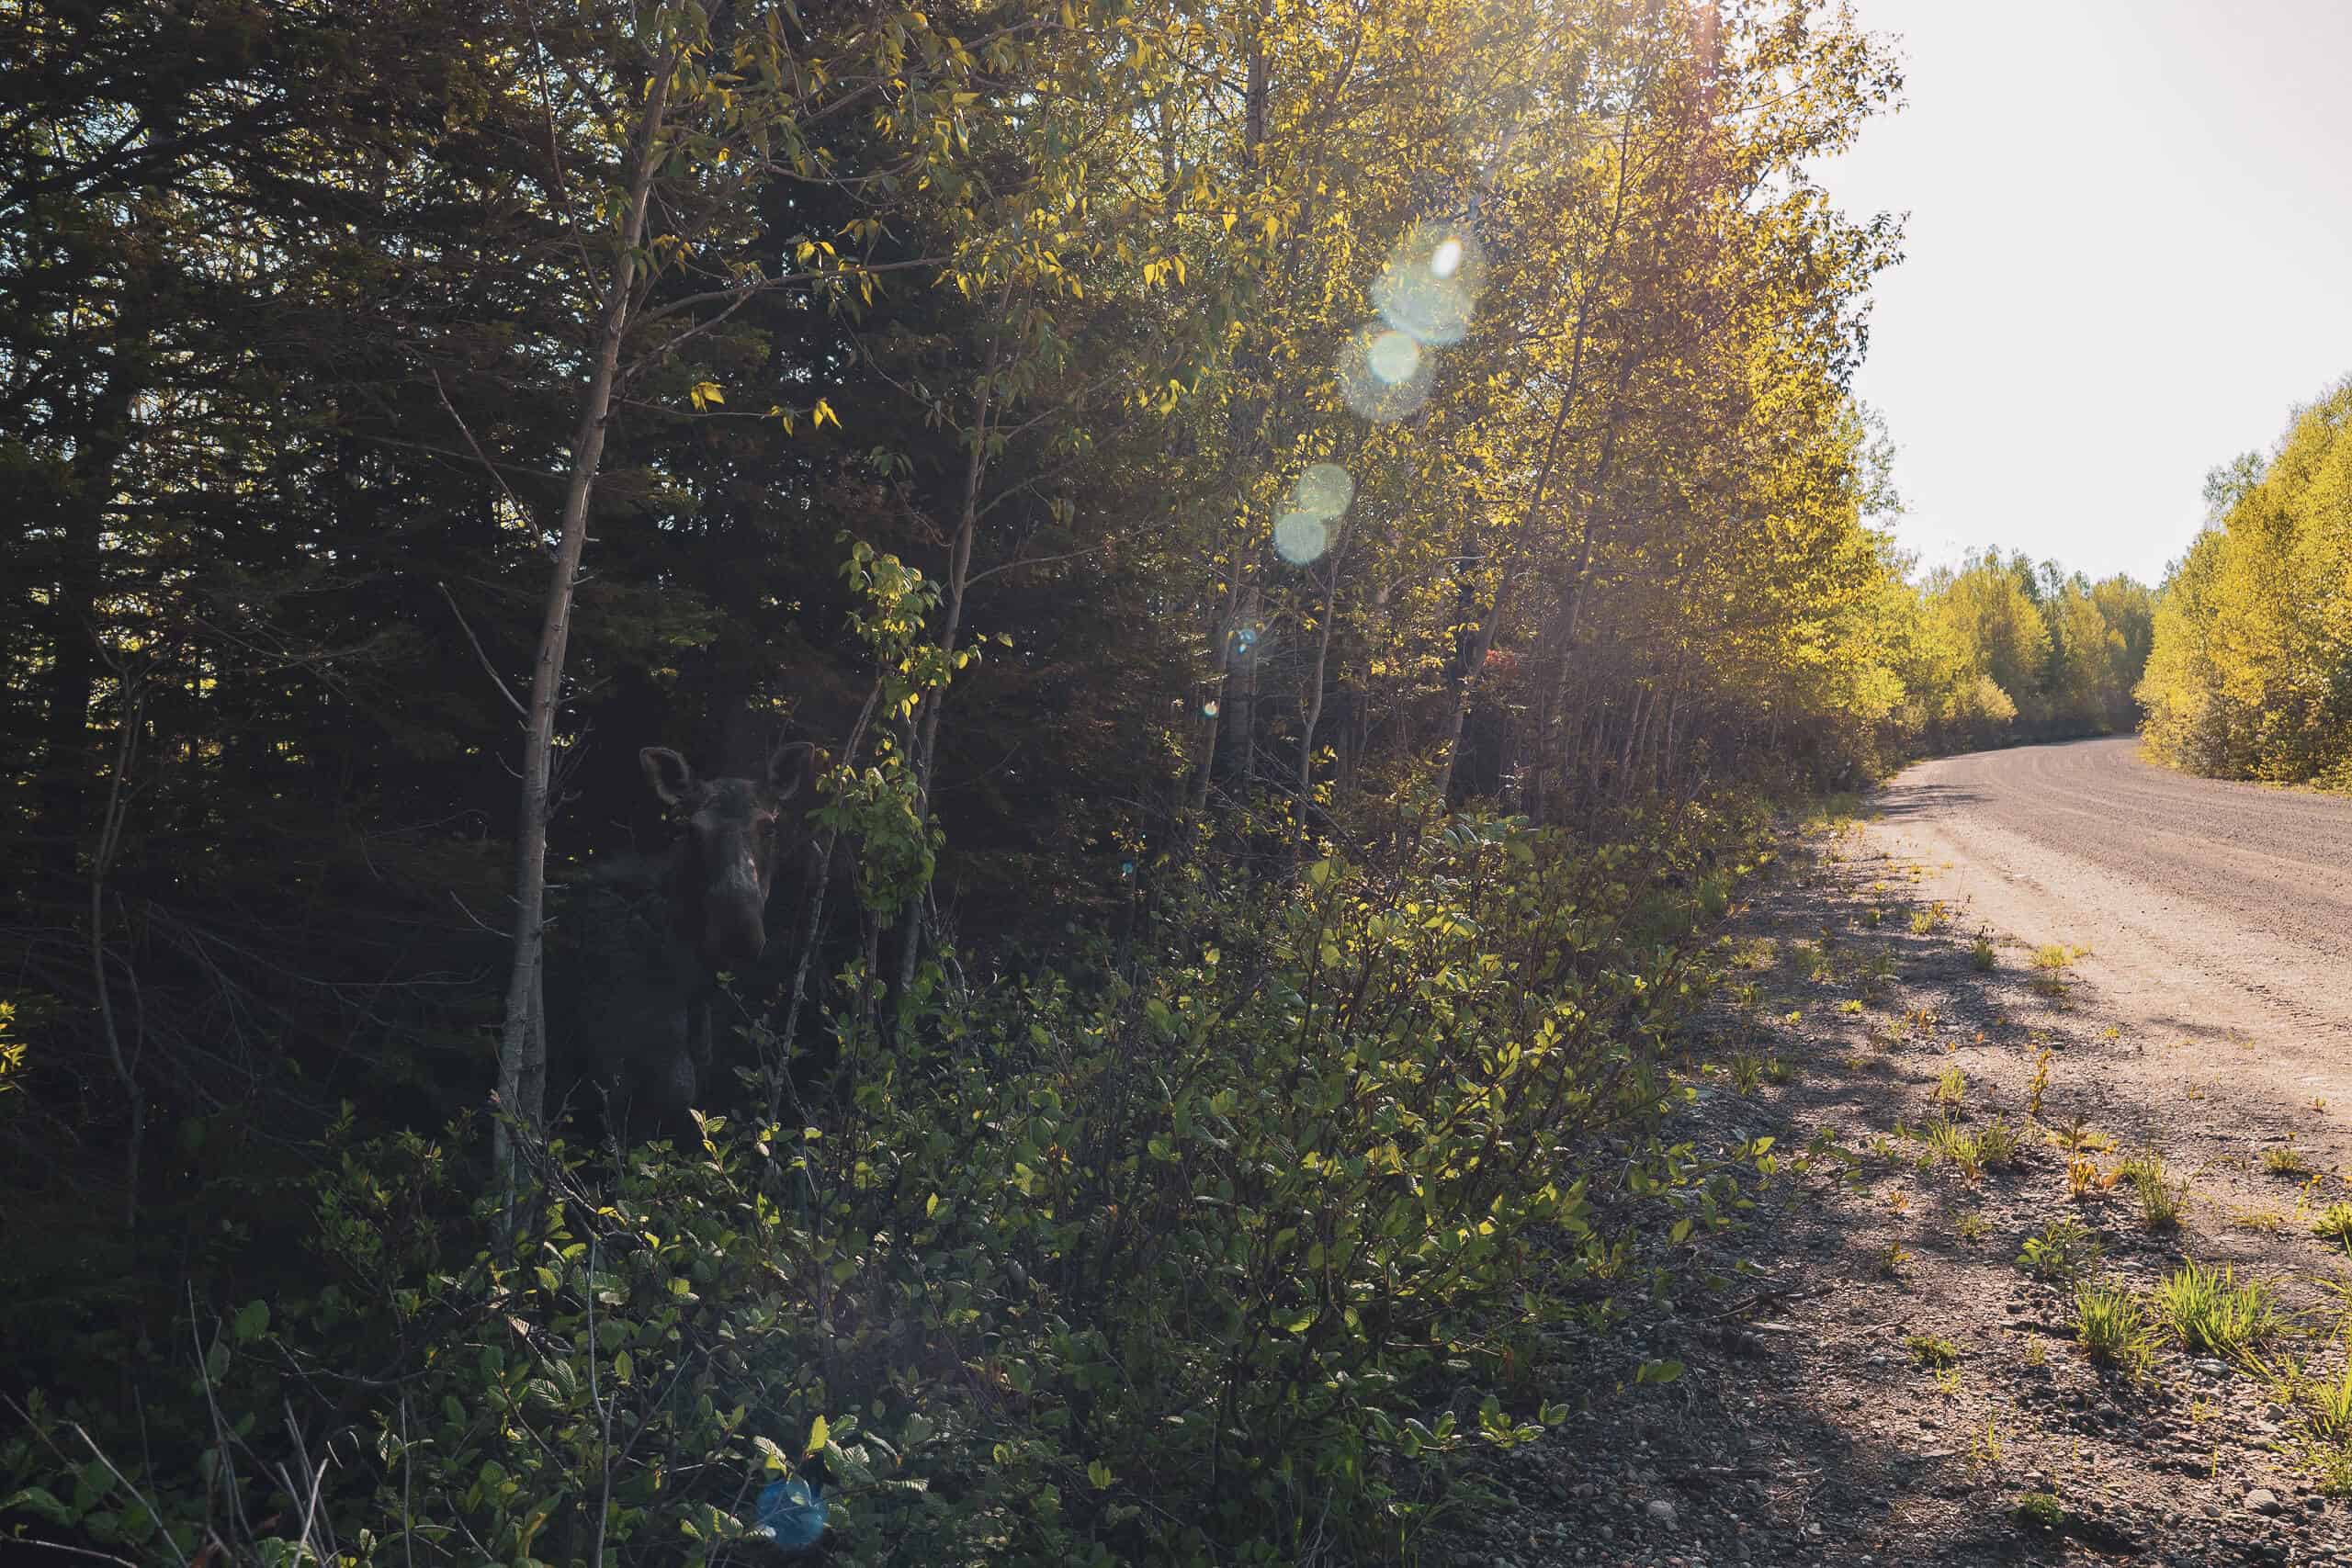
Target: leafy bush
{"type": "Point", "coordinates": [2061, 1253]}
{"type": "Point", "coordinates": [1238, 1247]}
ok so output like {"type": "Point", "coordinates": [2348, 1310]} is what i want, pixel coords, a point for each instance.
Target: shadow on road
{"type": "Point", "coordinates": [1811, 1427]}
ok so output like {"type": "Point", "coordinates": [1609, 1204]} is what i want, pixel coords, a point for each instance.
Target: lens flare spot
{"type": "Point", "coordinates": [1324, 490]}
{"type": "Point", "coordinates": [1430, 285]}
{"type": "Point", "coordinates": [1394, 358]}
{"type": "Point", "coordinates": [1374, 389]}
{"type": "Point", "coordinates": [1209, 709]}
{"type": "Point", "coordinates": [1301, 539]}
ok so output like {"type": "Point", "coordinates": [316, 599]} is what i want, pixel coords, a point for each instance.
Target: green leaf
{"type": "Point", "coordinates": [252, 1322]}
{"type": "Point", "coordinates": [1100, 1475]}
{"type": "Point", "coordinates": [820, 1432]}
{"type": "Point", "coordinates": [40, 1500]}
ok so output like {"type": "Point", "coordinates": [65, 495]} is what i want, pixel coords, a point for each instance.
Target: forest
{"type": "Point", "coordinates": [1248, 580]}
{"type": "Point", "coordinates": [2250, 675]}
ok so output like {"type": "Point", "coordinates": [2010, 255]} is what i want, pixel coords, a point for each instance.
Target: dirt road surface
{"type": "Point", "coordinates": [2218, 916]}
{"type": "Point", "coordinates": [1896, 1373]}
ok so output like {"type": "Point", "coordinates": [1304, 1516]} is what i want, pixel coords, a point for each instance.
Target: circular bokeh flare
{"type": "Point", "coordinates": [1429, 287]}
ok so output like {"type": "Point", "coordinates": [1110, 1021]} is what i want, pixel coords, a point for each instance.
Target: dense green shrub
{"type": "Point", "coordinates": [1215, 1260]}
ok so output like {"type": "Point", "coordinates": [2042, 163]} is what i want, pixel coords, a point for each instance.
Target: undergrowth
{"type": "Point", "coordinates": [1224, 1254]}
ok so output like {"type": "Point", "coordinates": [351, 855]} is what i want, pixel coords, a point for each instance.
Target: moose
{"type": "Point", "coordinates": [650, 936]}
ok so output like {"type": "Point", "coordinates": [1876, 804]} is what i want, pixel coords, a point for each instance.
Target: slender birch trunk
{"type": "Point", "coordinates": [959, 574]}
{"type": "Point", "coordinates": [1314, 714]}
{"type": "Point", "coordinates": [522, 1050]}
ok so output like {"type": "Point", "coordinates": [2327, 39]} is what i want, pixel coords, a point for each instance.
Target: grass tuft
{"type": "Point", "coordinates": [2285, 1159]}
{"type": "Point", "coordinates": [2002, 1143]}
{"type": "Point", "coordinates": [1931, 1350]}
{"type": "Point", "coordinates": [2051, 964]}
{"type": "Point", "coordinates": [2161, 1199]}
{"type": "Point", "coordinates": [2209, 1309]}
{"type": "Point", "coordinates": [2327, 1407]}
{"type": "Point", "coordinates": [2111, 1325]}
{"type": "Point", "coordinates": [1747, 1071]}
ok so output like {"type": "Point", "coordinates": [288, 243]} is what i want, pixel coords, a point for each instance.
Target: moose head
{"type": "Point", "coordinates": [729, 847]}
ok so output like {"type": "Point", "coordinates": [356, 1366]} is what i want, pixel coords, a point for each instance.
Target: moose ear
{"type": "Point", "coordinates": [667, 772]}
{"type": "Point", "coordinates": [790, 768]}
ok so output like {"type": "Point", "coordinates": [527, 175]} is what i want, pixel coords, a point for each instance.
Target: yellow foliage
{"type": "Point", "coordinates": [2251, 674]}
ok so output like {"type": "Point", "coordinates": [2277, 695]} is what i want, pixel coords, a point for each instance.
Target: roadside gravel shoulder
{"type": "Point", "coordinates": [1889, 1385]}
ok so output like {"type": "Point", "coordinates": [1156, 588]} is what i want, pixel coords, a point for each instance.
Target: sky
{"type": "Point", "coordinates": [2127, 257]}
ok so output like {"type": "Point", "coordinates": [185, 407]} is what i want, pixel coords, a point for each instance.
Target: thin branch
{"type": "Point", "coordinates": [488, 669]}
{"type": "Point", "coordinates": [466, 430]}
{"type": "Point", "coordinates": [1035, 560]}
{"type": "Point", "coordinates": [744, 290]}
{"type": "Point", "coordinates": [59, 1546]}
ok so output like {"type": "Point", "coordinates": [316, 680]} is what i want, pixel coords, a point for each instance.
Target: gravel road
{"type": "Point", "coordinates": [2218, 914]}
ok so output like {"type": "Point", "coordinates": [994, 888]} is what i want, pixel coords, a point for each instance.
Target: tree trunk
{"type": "Point", "coordinates": [1241, 713]}
{"type": "Point", "coordinates": [959, 572]}
{"type": "Point", "coordinates": [522, 1049]}
{"type": "Point", "coordinates": [1465, 679]}
{"type": "Point", "coordinates": [102, 858]}
{"type": "Point", "coordinates": [1244, 433]}
{"type": "Point", "coordinates": [72, 679]}
{"type": "Point", "coordinates": [1314, 714]}
{"type": "Point", "coordinates": [1223, 655]}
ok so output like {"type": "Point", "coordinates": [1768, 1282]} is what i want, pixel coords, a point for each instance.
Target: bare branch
{"type": "Point", "coordinates": [488, 669]}
{"type": "Point", "coordinates": [1036, 560]}
{"type": "Point", "coordinates": [466, 430]}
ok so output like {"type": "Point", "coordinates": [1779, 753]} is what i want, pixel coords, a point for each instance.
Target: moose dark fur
{"type": "Point", "coordinates": [650, 936]}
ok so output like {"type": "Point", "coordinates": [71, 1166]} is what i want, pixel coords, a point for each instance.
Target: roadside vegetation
{"type": "Point", "coordinates": [1142, 1270]}
{"type": "Point", "coordinates": [1310, 558]}
{"type": "Point", "coordinates": [1300, 546]}
{"type": "Point", "coordinates": [2249, 671]}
